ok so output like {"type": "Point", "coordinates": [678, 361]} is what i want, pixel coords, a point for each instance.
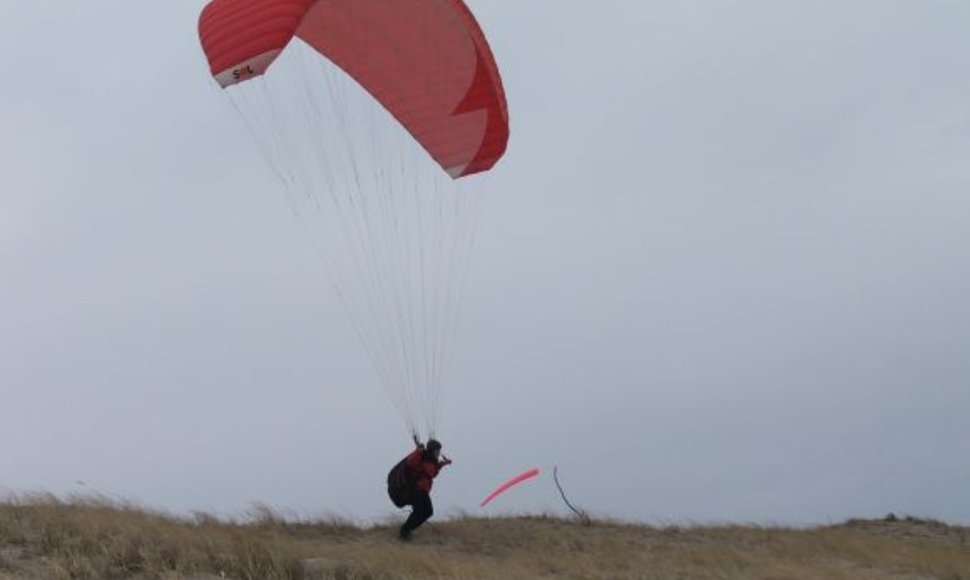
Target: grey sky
{"type": "Point", "coordinates": [721, 272]}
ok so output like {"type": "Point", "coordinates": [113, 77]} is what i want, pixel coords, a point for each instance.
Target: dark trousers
{"type": "Point", "coordinates": [421, 510]}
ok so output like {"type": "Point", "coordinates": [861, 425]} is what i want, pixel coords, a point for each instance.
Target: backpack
{"type": "Point", "coordinates": [400, 481]}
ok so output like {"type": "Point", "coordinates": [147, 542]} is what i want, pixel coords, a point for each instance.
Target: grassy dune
{"type": "Point", "coordinates": [47, 538]}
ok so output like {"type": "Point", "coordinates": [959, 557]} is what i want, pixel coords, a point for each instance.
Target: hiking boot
{"type": "Point", "coordinates": [404, 534]}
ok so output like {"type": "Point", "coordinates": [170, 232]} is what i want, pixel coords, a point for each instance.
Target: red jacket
{"type": "Point", "coordinates": [421, 470]}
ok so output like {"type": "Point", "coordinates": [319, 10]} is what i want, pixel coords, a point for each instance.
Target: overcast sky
{"type": "Point", "coordinates": [721, 274]}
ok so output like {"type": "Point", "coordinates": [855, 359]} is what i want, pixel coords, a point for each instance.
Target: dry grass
{"type": "Point", "coordinates": [44, 537]}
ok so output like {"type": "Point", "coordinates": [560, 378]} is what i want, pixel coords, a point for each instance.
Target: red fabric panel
{"type": "Point", "coordinates": [429, 64]}
{"type": "Point", "coordinates": [233, 31]}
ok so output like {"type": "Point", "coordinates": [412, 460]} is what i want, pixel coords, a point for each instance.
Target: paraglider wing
{"type": "Point", "coordinates": [346, 100]}
{"type": "Point", "coordinates": [509, 484]}
{"type": "Point", "coordinates": [427, 63]}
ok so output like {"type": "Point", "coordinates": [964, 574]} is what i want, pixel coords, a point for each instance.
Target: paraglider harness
{"type": "Point", "coordinates": [400, 482]}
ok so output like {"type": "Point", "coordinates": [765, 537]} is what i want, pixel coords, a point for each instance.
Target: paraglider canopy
{"type": "Point", "coordinates": [427, 63]}
{"type": "Point", "coordinates": [357, 105]}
